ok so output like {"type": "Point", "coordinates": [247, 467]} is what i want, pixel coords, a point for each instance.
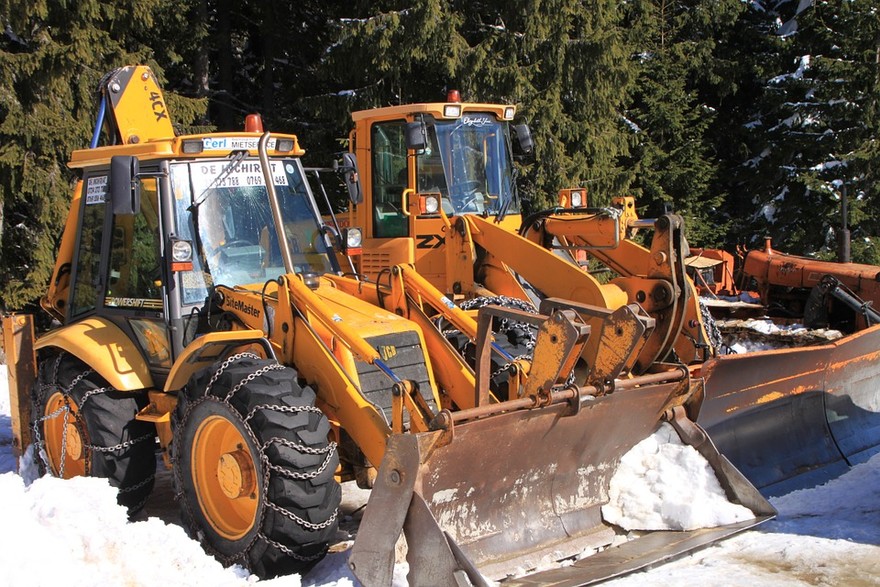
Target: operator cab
{"type": "Point", "coordinates": [423, 164]}
{"type": "Point", "coordinates": [467, 161]}
{"type": "Point", "coordinates": [168, 221]}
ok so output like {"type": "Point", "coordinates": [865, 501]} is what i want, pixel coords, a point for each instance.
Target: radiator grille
{"type": "Point", "coordinates": [402, 352]}
{"type": "Point", "coordinates": [373, 262]}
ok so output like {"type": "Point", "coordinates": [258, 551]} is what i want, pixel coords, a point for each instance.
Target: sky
{"type": "Point", "coordinates": [73, 531]}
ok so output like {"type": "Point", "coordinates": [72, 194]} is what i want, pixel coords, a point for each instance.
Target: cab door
{"type": "Point", "coordinates": [135, 276]}
{"type": "Point", "coordinates": [117, 271]}
{"type": "Point", "coordinates": [388, 235]}
{"type": "Point", "coordinates": [400, 230]}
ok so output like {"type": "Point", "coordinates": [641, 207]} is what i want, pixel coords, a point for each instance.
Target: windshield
{"type": "Point", "coordinates": [223, 208]}
{"type": "Point", "coordinates": [468, 162]}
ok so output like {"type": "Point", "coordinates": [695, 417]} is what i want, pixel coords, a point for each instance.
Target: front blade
{"type": "Point", "coordinates": [511, 491]}
{"type": "Point", "coordinates": [785, 413]}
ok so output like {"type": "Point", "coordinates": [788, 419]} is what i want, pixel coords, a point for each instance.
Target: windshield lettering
{"type": "Point", "coordinates": [246, 173]}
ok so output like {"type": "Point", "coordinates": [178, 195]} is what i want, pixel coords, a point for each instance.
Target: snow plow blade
{"type": "Point", "coordinates": [498, 492]}
{"type": "Point", "coordinates": [783, 414]}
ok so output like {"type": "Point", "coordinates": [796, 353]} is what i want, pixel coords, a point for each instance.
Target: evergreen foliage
{"type": "Point", "coordinates": [681, 51]}
{"type": "Point", "coordinates": [748, 118]}
{"type": "Point", "coordinates": [814, 133]}
{"type": "Point", "coordinates": [51, 59]}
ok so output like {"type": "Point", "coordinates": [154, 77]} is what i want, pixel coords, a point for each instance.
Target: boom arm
{"type": "Point", "coordinates": [655, 279]}
{"type": "Point", "coordinates": [137, 106]}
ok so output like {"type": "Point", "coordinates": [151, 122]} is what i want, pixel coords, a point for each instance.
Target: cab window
{"type": "Point", "coordinates": [389, 179]}
{"type": "Point", "coordinates": [134, 275]}
{"type": "Point", "coordinates": [86, 271]}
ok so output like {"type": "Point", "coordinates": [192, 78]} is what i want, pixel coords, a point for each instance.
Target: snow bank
{"type": "Point", "coordinates": [826, 535]}
{"type": "Point", "coordinates": [664, 484]}
{"type": "Point", "coordinates": [73, 531]}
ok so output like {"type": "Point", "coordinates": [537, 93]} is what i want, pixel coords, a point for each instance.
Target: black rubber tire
{"type": "Point", "coordinates": [294, 441]}
{"type": "Point", "coordinates": [105, 419]}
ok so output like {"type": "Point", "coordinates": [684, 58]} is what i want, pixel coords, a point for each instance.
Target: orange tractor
{"type": "Point", "coordinates": [439, 193]}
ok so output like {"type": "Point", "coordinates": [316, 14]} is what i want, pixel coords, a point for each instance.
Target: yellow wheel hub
{"type": "Point", "coordinates": [225, 477]}
{"type": "Point", "coordinates": [235, 472]}
{"type": "Point", "coordinates": [62, 433]}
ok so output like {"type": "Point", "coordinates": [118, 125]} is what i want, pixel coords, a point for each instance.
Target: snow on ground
{"type": "Point", "coordinates": [73, 531]}
{"type": "Point", "coordinates": [761, 334]}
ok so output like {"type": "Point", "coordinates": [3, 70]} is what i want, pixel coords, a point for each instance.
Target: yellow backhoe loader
{"type": "Point", "coordinates": [203, 314]}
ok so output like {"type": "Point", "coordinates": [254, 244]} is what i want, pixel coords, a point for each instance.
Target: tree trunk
{"type": "Point", "coordinates": [225, 65]}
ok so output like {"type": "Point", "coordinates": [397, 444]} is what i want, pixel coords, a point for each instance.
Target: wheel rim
{"type": "Point", "coordinates": [225, 477]}
{"type": "Point", "coordinates": [64, 439]}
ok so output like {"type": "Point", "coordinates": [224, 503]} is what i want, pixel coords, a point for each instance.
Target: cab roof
{"type": "Point", "coordinates": [437, 109]}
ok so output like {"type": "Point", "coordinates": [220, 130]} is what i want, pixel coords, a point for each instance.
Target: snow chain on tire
{"type": "Point", "coordinates": [297, 495]}
{"type": "Point", "coordinates": [516, 338]}
{"type": "Point", "coordinates": [103, 415]}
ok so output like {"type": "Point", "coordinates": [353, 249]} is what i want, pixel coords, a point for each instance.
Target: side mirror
{"type": "Point", "coordinates": [349, 170]}
{"type": "Point", "coordinates": [125, 189]}
{"type": "Point", "coordinates": [416, 136]}
{"type": "Point", "coordinates": [524, 139]}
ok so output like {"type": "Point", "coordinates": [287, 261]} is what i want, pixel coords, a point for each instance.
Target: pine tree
{"type": "Point", "coordinates": [680, 47]}
{"type": "Point", "coordinates": [815, 131]}
{"type": "Point", "coordinates": [52, 56]}
{"type": "Point", "coordinates": [381, 54]}
{"type": "Point", "coordinates": [568, 66]}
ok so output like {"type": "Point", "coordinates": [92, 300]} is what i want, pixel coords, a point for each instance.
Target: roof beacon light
{"type": "Point", "coordinates": [253, 123]}
{"type": "Point", "coordinates": [453, 96]}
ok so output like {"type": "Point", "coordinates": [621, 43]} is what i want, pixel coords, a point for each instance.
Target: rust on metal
{"type": "Point", "coordinates": [778, 414]}
{"type": "Point", "coordinates": [482, 502]}
{"type": "Point", "coordinates": [18, 343]}
{"type": "Point", "coordinates": [560, 342]}
{"type": "Point", "coordinates": [611, 350]}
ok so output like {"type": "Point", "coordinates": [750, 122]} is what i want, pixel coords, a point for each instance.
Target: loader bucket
{"type": "Point", "coordinates": [792, 417]}
{"type": "Point", "coordinates": [509, 491]}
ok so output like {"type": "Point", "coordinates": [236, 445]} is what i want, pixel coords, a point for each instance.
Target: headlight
{"type": "Point", "coordinates": [181, 251]}
{"type": "Point", "coordinates": [573, 198]}
{"type": "Point", "coordinates": [429, 204]}
{"type": "Point", "coordinates": [284, 145]}
{"type": "Point", "coordinates": [181, 255]}
{"type": "Point", "coordinates": [353, 238]}
{"type": "Point", "coordinates": [193, 146]}
{"type": "Point", "coordinates": [452, 110]}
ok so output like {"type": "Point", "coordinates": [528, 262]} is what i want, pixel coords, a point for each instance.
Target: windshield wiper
{"type": "Point", "coordinates": [237, 156]}
{"type": "Point", "coordinates": [193, 209]}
